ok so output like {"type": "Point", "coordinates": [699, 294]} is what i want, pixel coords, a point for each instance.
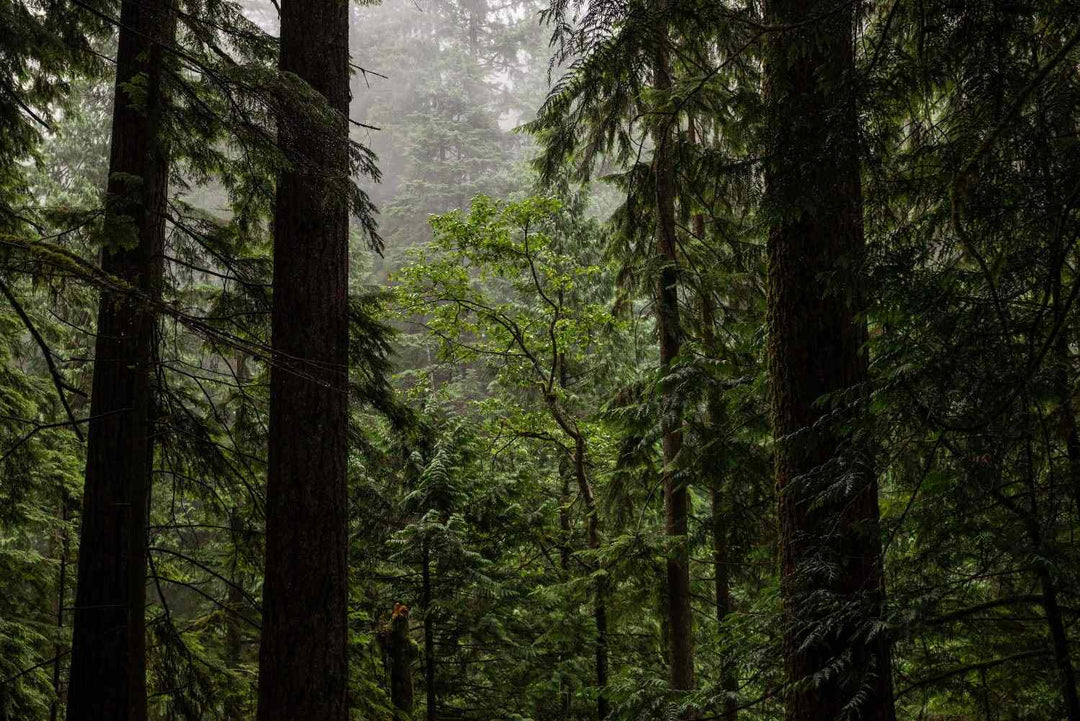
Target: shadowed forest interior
{"type": "Point", "coordinates": [539, 360]}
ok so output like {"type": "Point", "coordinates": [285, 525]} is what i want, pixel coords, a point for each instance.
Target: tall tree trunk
{"type": "Point", "coordinates": [815, 336]}
{"type": "Point", "coordinates": [108, 664]}
{"type": "Point", "coordinates": [676, 496]}
{"type": "Point", "coordinates": [714, 420]}
{"type": "Point", "coordinates": [303, 662]}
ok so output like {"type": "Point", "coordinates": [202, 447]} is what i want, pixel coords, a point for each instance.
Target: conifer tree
{"type": "Point", "coordinates": [836, 658]}
{"type": "Point", "coordinates": [303, 661]}
{"type": "Point", "coordinates": [108, 659]}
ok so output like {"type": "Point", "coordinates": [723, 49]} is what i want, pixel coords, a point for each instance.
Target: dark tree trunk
{"type": "Point", "coordinates": [108, 664]}
{"type": "Point", "coordinates": [676, 496]}
{"type": "Point", "coordinates": [429, 637]}
{"type": "Point", "coordinates": [303, 662]}
{"type": "Point", "coordinates": [815, 336]}
{"type": "Point", "coordinates": [401, 652]}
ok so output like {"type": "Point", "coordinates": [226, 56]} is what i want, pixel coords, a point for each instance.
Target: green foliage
{"type": "Point", "coordinates": [507, 333]}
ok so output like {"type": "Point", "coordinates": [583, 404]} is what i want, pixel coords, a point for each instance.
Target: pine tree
{"type": "Point", "coordinates": [108, 658]}
{"type": "Point", "coordinates": [303, 661]}
{"type": "Point", "coordinates": [836, 657]}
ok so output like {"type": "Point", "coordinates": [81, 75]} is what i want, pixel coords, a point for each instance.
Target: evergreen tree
{"type": "Point", "coordinates": [303, 660]}
{"type": "Point", "coordinates": [108, 657]}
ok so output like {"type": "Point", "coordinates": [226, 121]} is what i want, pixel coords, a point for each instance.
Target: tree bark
{"type": "Point", "coordinates": [108, 665]}
{"type": "Point", "coordinates": [815, 247]}
{"type": "Point", "coordinates": [676, 496]}
{"type": "Point", "coordinates": [303, 662]}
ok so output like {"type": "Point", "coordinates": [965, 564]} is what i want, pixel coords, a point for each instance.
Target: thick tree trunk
{"type": "Point", "coordinates": [108, 665]}
{"type": "Point", "coordinates": [303, 662]}
{"type": "Point", "coordinates": [676, 496]}
{"type": "Point", "coordinates": [832, 585]}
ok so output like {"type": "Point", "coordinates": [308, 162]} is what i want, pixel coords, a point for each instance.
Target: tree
{"type": "Point", "coordinates": [836, 656]}
{"type": "Point", "coordinates": [108, 658]}
{"type": "Point", "coordinates": [533, 339]}
{"type": "Point", "coordinates": [303, 661]}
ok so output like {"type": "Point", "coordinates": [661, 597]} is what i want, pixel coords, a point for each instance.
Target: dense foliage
{"type": "Point", "coordinates": [706, 360]}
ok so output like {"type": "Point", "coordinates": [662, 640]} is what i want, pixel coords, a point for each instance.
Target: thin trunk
{"type": "Point", "coordinates": [592, 538]}
{"type": "Point", "coordinates": [303, 659]}
{"type": "Point", "coordinates": [815, 339]}
{"type": "Point", "coordinates": [600, 589]}
{"type": "Point", "coordinates": [61, 599]}
{"type": "Point", "coordinates": [401, 658]}
{"type": "Point", "coordinates": [108, 664]}
{"type": "Point", "coordinates": [429, 637]}
{"type": "Point", "coordinates": [676, 496]}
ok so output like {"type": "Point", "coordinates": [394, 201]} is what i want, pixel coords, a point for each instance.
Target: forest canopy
{"type": "Point", "coordinates": [537, 360]}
